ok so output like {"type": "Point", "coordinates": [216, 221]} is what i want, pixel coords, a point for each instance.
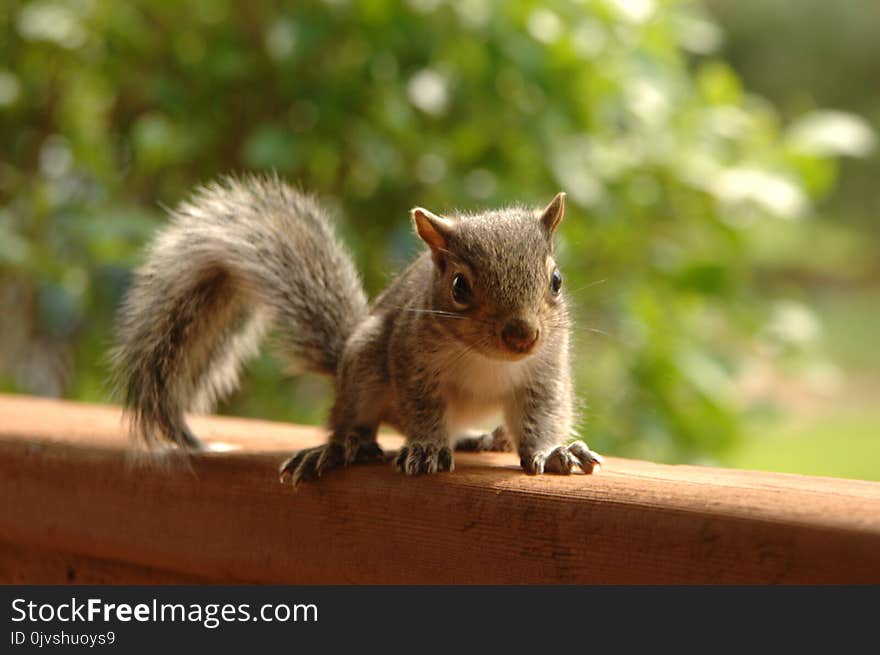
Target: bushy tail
{"type": "Point", "coordinates": [240, 256]}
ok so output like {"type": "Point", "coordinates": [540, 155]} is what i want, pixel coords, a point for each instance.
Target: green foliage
{"type": "Point", "coordinates": [110, 110]}
{"type": "Point", "coordinates": [837, 65]}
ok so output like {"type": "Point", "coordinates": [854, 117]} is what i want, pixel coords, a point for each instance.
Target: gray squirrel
{"type": "Point", "coordinates": [475, 325]}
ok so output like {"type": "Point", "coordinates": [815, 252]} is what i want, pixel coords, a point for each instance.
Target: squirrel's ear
{"type": "Point", "coordinates": [553, 213]}
{"type": "Point", "coordinates": [432, 229]}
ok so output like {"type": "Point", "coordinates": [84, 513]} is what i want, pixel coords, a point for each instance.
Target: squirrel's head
{"type": "Point", "coordinates": [496, 287]}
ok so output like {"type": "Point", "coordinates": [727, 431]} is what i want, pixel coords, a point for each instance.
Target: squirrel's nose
{"type": "Point", "coordinates": [519, 335]}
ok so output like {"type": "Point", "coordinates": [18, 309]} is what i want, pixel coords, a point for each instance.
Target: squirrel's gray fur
{"type": "Point", "coordinates": [246, 254]}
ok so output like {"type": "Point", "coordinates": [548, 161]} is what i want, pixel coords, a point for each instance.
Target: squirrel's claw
{"type": "Point", "coordinates": [311, 463]}
{"type": "Point", "coordinates": [589, 460]}
{"type": "Point", "coordinates": [562, 460]}
{"type": "Point", "coordinates": [418, 458]}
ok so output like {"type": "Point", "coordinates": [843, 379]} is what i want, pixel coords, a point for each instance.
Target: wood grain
{"type": "Point", "coordinates": [69, 491]}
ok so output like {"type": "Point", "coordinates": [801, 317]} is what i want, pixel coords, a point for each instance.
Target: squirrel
{"type": "Point", "coordinates": [476, 324]}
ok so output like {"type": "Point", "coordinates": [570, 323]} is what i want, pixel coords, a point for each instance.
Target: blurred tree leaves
{"type": "Point", "coordinates": [110, 110]}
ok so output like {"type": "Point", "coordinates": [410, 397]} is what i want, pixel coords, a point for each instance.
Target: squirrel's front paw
{"type": "Point", "coordinates": [562, 460]}
{"type": "Point", "coordinates": [418, 458]}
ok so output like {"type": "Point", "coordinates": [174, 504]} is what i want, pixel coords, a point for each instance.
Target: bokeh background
{"type": "Point", "coordinates": [721, 242]}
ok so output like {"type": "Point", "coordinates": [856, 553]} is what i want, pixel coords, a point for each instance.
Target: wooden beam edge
{"type": "Point", "coordinates": [68, 486]}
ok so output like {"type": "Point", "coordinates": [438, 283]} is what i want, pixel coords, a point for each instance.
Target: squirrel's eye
{"type": "Point", "coordinates": [556, 281]}
{"type": "Point", "coordinates": [461, 290]}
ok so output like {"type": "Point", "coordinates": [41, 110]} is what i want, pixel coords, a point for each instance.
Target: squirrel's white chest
{"type": "Point", "coordinates": [476, 387]}
{"type": "Point", "coordinates": [476, 379]}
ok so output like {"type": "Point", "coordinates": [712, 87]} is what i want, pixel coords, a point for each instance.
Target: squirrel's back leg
{"type": "Point", "coordinates": [359, 408]}
{"type": "Point", "coordinates": [495, 441]}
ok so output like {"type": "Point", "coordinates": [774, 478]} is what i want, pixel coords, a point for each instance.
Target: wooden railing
{"type": "Point", "coordinates": [75, 508]}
